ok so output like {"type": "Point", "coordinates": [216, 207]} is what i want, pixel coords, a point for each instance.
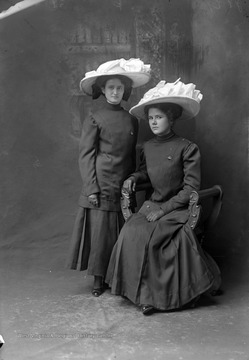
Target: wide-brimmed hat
{"type": "Point", "coordinates": [178, 93]}
{"type": "Point", "coordinates": [134, 69]}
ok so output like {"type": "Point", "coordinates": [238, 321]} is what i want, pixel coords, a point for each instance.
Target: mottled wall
{"type": "Point", "coordinates": [220, 32]}
{"type": "Point", "coordinates": [44, 52]}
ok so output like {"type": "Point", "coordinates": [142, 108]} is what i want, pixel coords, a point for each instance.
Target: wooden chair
{"type": "Point", "coordinates": [204, 207]}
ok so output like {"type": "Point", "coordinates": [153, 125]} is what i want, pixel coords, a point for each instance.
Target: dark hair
{"type": "Point", "coordinates": [101, 81]}
{"type": "Point", "coordinates": [173, 111]}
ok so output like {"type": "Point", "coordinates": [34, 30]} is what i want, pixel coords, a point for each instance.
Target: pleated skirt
{"type": "Point", "coordinates": [160, 263]}
{"type": "Point", "coordinates": [95, 233]}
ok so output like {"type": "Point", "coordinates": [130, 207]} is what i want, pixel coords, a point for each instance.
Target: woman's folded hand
{"type": "Point", "coordinates": [155, 215]}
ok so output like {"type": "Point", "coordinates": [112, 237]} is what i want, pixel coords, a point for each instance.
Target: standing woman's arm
{"type": "Point", "coordinates": [88, 148]}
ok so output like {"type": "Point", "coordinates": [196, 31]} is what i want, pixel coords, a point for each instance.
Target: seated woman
{"type": "Point", "coordinates": [157, 262]}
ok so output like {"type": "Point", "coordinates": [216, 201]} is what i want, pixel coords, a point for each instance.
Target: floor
{"type": "Point", "coordinates": [47, 312]}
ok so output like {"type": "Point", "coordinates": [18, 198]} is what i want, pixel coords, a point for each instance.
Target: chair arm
{"type": "Point", "coordinates": [125, 203]}
{"type": "Point", "coordinates": [128, 200]}
{"type": "Point", "coordinates": [143, 187]}
{"type": "Point", "coordinates": [215, 192]}
{"type": "Point", "coordinates": [196, 198]}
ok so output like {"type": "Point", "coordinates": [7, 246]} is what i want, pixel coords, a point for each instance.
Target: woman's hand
{"type": "Point", "coordinates": [155, 215]}
{"type": "Point", "coordinates": [129, 185]}
{"type": "Point", "coordinates": [94, 199]}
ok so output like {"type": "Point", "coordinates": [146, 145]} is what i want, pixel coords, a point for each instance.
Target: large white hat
{"type": "Point", "coordinates": [178, 93]}
{"type": "Point", "coordinates": [134, 69]}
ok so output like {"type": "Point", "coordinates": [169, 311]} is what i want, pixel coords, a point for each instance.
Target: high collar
{"type": "Point", "coordinates": [165, 137]}
{"type": "Point", "coordinates": [112, 106]}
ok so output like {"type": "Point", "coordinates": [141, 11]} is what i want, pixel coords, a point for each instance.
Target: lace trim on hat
{"type": "Point", "coordinates": [131, 65]}
{"type": "Point", "coordinates": [178, 88]}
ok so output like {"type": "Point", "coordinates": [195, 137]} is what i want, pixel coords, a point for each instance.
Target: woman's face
{"type": "Point", "coordinates": [113, 91]}
{"type": "Point", "coordinates": [159, 122]}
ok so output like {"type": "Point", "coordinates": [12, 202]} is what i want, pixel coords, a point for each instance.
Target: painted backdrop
{"type": "Point", "coordinates": [45, 51]}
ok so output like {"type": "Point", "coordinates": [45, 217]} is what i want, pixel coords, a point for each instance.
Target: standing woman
{"type": "Point", "coordinates": [157, 262]}
{"type": "Point", "coordinates": [106, 158]}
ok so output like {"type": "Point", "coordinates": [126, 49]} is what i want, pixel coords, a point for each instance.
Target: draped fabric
{"type": "Point", "coordinates": [95, 233]}
{"type": "Point", "coordinates": [160, 263]}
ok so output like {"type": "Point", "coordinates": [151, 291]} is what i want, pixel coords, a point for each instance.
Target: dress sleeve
{"type": "Point", "coordinates": [88, 148]}
{"type": "Point", "coordinates": [141, 175]}
{"type": "Point", "coordinates": [191, 180]}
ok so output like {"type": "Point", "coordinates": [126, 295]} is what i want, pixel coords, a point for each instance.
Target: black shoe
{"type": "Point", "coordinates": [147, 309]}
{"type": "Point", "coordinates": [97, 292]}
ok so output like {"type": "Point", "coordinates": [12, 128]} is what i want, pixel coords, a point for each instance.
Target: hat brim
{"type": "Point", "coordinates": [190, 106]}
{"type": "Point", "coordinates": [137, 78]}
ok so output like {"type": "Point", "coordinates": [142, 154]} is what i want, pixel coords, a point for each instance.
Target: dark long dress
{"type": "Point", "coordinates": [161, 263]}
{"type": "Point", "coordinates": [107, 157]}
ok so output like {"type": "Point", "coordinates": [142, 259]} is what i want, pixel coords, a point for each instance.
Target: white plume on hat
{"type": "Point", "coordinates": [134, 69]}
{"type": "Point", "coordinates": [179, 93]}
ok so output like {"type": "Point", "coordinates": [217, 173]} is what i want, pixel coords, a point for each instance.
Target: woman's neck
{"type": "Point", "coordinates": [166, 136]}
{"type": "Point", "coordinates": [113, 106]}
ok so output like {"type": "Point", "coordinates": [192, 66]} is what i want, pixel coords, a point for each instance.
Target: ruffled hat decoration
{"type": "Point", "coordinates": [178, 93]}
{"type": "Point", "coordinates": [134, 69]}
